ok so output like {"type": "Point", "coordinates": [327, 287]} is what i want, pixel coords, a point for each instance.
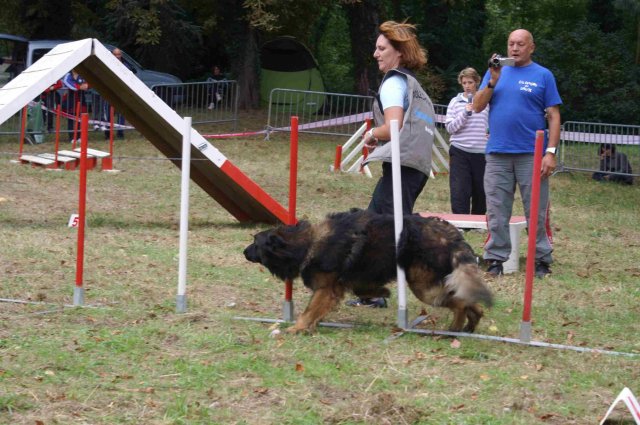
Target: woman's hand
{"type": "Point", "coordinates": [370, 141]}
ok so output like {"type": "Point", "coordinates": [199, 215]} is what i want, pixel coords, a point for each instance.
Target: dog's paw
{"type": "Point", "coordinates": [295, 330]}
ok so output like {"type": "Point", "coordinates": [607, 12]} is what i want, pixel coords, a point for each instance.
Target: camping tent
{"type": "Point", "coordinates": [288, 64]}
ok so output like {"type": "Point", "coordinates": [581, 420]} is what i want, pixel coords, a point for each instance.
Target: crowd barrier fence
{"type": "Point", "coordinates": [580, 143]}
{"type": "Point", "coordinates": [206, 102]}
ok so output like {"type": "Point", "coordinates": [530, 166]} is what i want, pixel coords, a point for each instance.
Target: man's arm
{"type": "Point", "coordinates": [549, 159]}
{"type": "Point", "coordinates": [483, 97]}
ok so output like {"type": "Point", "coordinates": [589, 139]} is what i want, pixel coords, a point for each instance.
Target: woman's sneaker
{"type": "Point", "coordinates": [368, 302]}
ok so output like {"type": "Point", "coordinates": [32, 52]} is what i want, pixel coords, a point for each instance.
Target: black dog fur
{"type": "Point", "coordinates": [356, 251]}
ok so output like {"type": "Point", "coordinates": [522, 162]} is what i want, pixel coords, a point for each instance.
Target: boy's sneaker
{"type": "Point", "coordinates": [495, 268]}
{"type": "Point", "coordinates": [368, 302]}
{"type": "Point", "coordinates": [542, 269]}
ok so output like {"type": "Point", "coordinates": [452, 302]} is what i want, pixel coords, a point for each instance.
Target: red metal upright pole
{"type": "Point", "coordinates": [78, 298]}
{"type": "Point", "coordinates": [293, 170]}
{"type": "Point", "coordinates": [338, 160]}
{"type": "Point", "coordinates": [293, 185]}
{"type": "Point", "coordinates": [525, 329]}
{"type": "Point", "coordinates": [76, 120]}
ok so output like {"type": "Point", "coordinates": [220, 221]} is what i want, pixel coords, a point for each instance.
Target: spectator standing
{"type": "Point", "coordinates": [468, 141]}
{"type": "Point", "coordinates": [400, 98]}
{"type": "Point", "coordinates": [519, 96]}
{"type": "Point", "coordinates": [612, 163]}
{"type": "Point", "coordinates": [118, 118]}
{"type": "Point", "coordinates": [74, 87]}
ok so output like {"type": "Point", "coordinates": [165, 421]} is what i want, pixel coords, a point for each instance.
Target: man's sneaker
{"type": "Point", "coordinates": [212, 106]}
{"type": "Point", "coordinates": [542, 269]}
{"type": "Point", "coordinates": [495, 268]}
{"type": "Point", "coordinates": [368, 302]}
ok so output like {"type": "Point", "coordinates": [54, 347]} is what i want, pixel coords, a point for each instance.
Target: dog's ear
{"type": "Point", "coordinates": [274, 241]}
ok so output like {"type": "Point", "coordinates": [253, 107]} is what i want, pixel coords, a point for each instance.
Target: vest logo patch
{"type": "Point", "coordinates": [424, 117]}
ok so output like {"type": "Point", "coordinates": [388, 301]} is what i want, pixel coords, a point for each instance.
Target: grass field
{"type": "Point", "coordinates": [128, 358]}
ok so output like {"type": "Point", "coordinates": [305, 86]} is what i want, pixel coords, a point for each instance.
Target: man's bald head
{"type": "Point", "coordinates": [520, 46]}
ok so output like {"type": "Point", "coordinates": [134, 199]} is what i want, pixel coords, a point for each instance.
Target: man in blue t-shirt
{"type": "Point", "coordinates": [521, 97]}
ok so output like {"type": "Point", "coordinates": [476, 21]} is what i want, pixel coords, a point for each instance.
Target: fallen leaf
{"type": "Point", "coordinates": [570, 336]}
{"type": "Point", "coordinates": [493, 329]}
{"type": "Point", "coordinates": [49, 373]}
{"type": "Point", "coordinates": [455, 343]}
{"type": "Point", "coordinates": [299, 367]}
{"type": "Point", "coordinates": [539, 367]}
{"type": "Point", "coordinates": [484, 377]}
{"type": "Point", "coordinates": [524, 377]}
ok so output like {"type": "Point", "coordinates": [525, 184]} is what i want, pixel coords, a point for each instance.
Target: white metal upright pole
{"type": "Point", "coordinates": [403, 322]}
{"type": "Point", "coordinates": [181, 299]}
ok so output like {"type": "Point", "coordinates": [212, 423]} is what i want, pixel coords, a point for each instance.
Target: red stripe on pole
{"type": "Point", "coordinates": [533, 225]}
{"type": "Point", "coordinates": [293, 184]}
{"type": "Point", "coordinates": [293, 170]}
{"type": "Point", "coordinates": [82, 203]}
{"type": "Point", "coordinates": [338, 160]}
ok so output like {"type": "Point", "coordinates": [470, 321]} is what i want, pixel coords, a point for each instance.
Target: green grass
{"type": "Point", "coordinates": [133, 360]}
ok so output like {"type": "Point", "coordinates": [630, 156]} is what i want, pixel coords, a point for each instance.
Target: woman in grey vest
{"type": "Point", "coordinates": [400, 98]}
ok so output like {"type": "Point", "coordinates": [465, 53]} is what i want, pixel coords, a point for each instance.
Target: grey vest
{"type": "Point", "coordinates": [418, 128]}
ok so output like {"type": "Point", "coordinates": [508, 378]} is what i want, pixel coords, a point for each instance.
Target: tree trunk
{"type": "Point", "coordinates": [249, 86]}
{"type": "Point", "coordinates": [363, 30]}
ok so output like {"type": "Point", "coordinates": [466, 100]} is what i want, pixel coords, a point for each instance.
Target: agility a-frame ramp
{"type": "Point", "coordinates": [153, 118]}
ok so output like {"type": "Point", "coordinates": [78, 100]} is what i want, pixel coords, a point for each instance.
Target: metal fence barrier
{"type": "Point", "coordinates": [580, 146]}
{"type": "Point", "coordinates": [333, 114]}
{"type": "Point", "coordinates": [330, 114]}
{"type": "Point", "coordinates": [205, 102]}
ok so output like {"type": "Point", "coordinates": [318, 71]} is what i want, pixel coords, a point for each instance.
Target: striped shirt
{"type": "Point", "coordinates": [468, 132]}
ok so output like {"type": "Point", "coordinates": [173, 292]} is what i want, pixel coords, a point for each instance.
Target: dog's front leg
{"type": "Point", "coordinates": [323, 300]}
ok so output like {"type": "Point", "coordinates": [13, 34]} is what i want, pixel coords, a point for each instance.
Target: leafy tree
{"type": "Point", "coordinates": [631, 18]}
{"type": "Point", "coordinates": [334, 51]}
{"type": "Point", "coordinates": [596, 76]}
{"type": "Point", "coordinates": [157, 32]}
{"type": "Point", "coordinates": [42, 18]}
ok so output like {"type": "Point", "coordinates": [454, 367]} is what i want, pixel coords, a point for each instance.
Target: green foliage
{"type": "Point", "coordinates": [596, 76]}
{"type": "Point", "coordinates": [334, 51]}
{"type": "Point", "coordinates": [157, 32]}
{"type": "Point", "coordinates": [543, 18]}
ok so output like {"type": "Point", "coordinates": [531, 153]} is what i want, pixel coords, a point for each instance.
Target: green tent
{"type": "Point", "coordinates": [288, 64]}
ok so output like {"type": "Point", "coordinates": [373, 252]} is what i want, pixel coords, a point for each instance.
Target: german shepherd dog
{"type": "Point", "coordinates": [356, 251]}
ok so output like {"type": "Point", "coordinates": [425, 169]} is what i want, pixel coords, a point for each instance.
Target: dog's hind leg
{"type": "Point", "coordinates": [459, 309]}
{"type": "Point", "coordinates": [323, 300]}
{"type": "Point", "coordinates": [474, 313]}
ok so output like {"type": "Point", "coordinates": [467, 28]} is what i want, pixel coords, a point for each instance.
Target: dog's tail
{"type": "Point", "coordinates": [465, 282]}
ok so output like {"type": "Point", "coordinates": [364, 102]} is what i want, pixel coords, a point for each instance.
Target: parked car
{"type": "Point", "coordinates": [18, 53]}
